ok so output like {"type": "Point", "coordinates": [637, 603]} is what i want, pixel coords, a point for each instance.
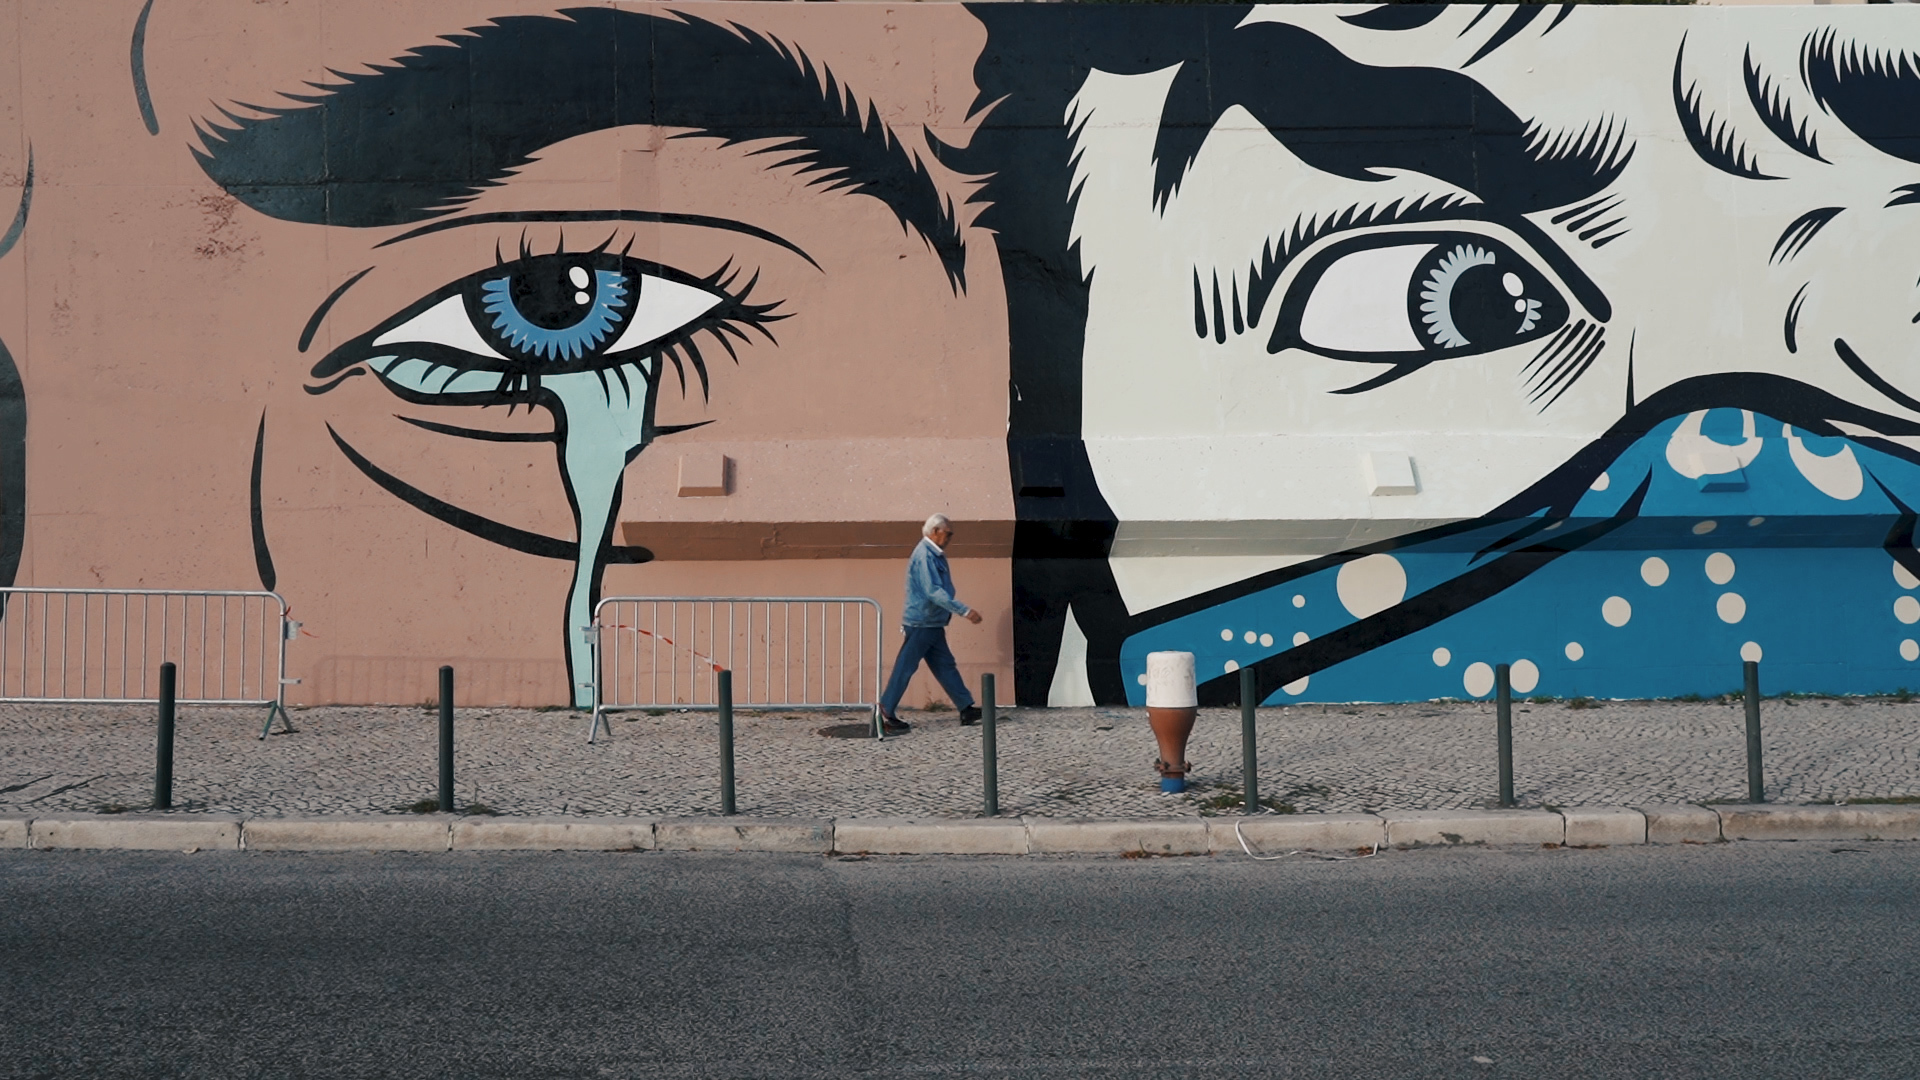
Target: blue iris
{"type": "Point", "coordinates": [591, 320]}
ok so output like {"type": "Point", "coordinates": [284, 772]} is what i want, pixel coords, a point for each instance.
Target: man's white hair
{"type": "Point", "coordinates": [936, 522]}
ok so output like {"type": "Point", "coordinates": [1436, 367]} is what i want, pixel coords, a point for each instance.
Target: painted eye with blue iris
{"type": "Point", "coordinates": [507, 330]}
{"type": "Point", "coordinates": [585, 335]}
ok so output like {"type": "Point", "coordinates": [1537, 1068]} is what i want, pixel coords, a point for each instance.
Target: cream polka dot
{"type": "Point", "coordinates": [1654, 571]}
{"type": "Point", "coordinates": [1719, 568]}
{"type": "Point", "coordinates": [1575, 651]}
{"type": "Point", "coordinates": [1904, 577]}
{"type": "Point", "coordinates": [1731, 607]}
{"type": "Point", "coordinates": [1299, 601]}
{"type": "Point", "coordinates": [1754, 522]}
{"type": "Point", "coordinates": [1266, 641]}
{"type": "Point", "coordinates": [1442, 657]}
{"type": "Point", "coordinates": [1252, 637]}
{"type": "Point", "coordinates": [1616, 611]}
{"type": "Point", "coordinates": [1478, 679]}
{"type": "Point", "coordinates": [1751, 651]}
{"type": "Point", "coordinates": [1907, 610]}
{"type": "Point", "coordinates": [1226, 635]}
{"type": "Point", "coordinates": [1523, 676]}
{"type": "Point", "coordinates": [1910, 650]}
{"type": "Point", "coordinates": [1233, 666]}
{"type": "Point", "coordinates": [1370, 585]}
{"type": "Point", "coordinates": [1141, 678]}
{"type": "Point", "coordinates": [1298, 686]}
{"type": "Point", "coordinates": [1300, 637]}
{"type": "Point", "coordinates": [1705, 527]}
{"type": "Point", "coordinates": [1601, 482]}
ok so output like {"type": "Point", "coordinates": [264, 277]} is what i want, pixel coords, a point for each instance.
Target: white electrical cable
{"type": "Point", "coordinates": [1244, 846]}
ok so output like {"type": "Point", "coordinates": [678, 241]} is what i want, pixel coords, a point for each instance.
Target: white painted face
{"type": "Point", "coordinates": [1262, 337]}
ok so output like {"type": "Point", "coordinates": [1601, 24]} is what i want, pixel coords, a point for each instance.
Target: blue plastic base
{"type": "Point", "coordinates": [1172, 785]}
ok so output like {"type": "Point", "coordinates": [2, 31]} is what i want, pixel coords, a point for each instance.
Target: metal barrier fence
{"type": "Point", "coordinates": [785, 652]}
{"type": "Point", "coordinates": [105, 646]}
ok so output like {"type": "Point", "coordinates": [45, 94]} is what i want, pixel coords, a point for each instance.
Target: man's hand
{"type": "Point", "coordinates": [973, 616]}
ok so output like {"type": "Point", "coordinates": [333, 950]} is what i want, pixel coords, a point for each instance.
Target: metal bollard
{"type": "Point", "coordinates": [446, 739]}
{"type": "Point", "coordinates": [1503, 721]}
{"type": "Point", "coordinates": [725, 691]}
{"type": "Point", "coordinates": [1249, 756]}
{"type": "Point", "coordinates": [989, 747]}
{"type": "Point", "coordinates": [1756, 780]}
{"type": "Point", "coordinates": [163, 746]}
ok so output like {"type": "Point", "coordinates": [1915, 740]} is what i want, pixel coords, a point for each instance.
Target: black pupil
{"type": "Point", "coordinates": [1482, 308]}
{"type": "Point", "coordinates": [549, 293]}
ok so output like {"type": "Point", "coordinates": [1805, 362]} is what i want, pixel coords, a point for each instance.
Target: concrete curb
{"type": "Point", "coordinates": [935, 836]}
{"type": "Point", "coordinates": [1265, 834]}
{"type": "Point", "coordinates": [1441, 828]}
{"type": "Point", "coordinates": [553, 834]}
{"type": "Point", "coordinates": [426, 833]}
{"type": "Point", "coordinates": [743, 834]}
{"type": "Point", "coordinates": [1767, 822]}
{"type": "Point", "coordinates": [137, 832]}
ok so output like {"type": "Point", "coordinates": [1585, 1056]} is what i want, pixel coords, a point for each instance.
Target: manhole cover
{"type": "Point", "coordinates": [848, 731]}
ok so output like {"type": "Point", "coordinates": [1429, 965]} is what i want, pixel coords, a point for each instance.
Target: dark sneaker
{"type": "Point", "coordinates": [969, 715]}
{"type": "Point", "coordinates": [894, 727]}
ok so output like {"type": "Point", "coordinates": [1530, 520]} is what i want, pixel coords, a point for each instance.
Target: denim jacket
{"type": "Point", "coordinates": [930, 600]}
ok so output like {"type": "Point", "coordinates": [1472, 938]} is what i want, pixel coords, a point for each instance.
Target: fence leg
{"type": "Point", "coordinates": [989, 746]}
{"type": "Point", "coordinates": [446, 739]}
{"type": "Point", "coordinates": [163, 747]}
{"type": "Point", "coordinates": [726, 742]}
{"type": "Point", "coordinates": [1756, 779]}
{"type": "Point", "coordinates": [1249, 747]}
{"type": "Point", "coordinates": [1503, 716]}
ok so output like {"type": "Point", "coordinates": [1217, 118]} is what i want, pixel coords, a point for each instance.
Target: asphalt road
{"type": "Point", "coordinates": [1742, 960]}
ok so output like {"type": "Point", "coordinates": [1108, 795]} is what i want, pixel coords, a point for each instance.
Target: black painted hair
{"type": "Point", "coordinates": [420, 136]}
{"type": "Point", "coordinates": [1875, 92]}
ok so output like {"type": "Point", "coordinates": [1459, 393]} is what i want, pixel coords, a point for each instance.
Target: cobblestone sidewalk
{"type": "Point", "coordinates": [1054, 762]}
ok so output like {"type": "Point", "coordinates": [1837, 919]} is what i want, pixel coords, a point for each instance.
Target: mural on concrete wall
{"type": "Point", "coordinates": [1364, 347]}
{"type": "Point", "coordinates": [1371, 347]}
{"type": "Point", "coordinates": [578, 326]}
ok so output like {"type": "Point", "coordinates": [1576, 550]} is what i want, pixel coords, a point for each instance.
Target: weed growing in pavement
{"type": "Point", "coordinates": [656, 712]}
{"type": "Point", "coordinates": [1582, 703]}
{"type": "Point", "coordinates": [111, 808]}
{"type": "Point", "coordinates": [479, 809]}
{"type": "Point", "coordinates": [424, 806]}
{"type": "Point", "coordinates": [1882, 800]}
{"type": "Point", "coordinates": [553, 708]}
{"type": "Point", "coordinates": [938, 706]}
{"type": "Point", "coordinates": [1903, 695]}
{"type": "Point", "coordinates": [1543, 699]}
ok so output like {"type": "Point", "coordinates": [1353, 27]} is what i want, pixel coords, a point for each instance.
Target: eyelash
{"type": "Point", "coordinates": [1264, 274]}
{"type": "Point", "coordinates": [489, 307]}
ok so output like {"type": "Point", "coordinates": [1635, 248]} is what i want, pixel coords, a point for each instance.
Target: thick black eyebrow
{"type": "Point", "coordinates": [700, 220]}
{"type": "Point", "coordinates": [1349, 119]}
{"type": "Point", "coordinates": [1875, 93]}
{"type": "Point", "coordinates": [426, 133]}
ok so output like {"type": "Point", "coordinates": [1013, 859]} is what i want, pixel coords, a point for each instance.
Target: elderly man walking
{"type": "Point", "coordinates": [930, 604]}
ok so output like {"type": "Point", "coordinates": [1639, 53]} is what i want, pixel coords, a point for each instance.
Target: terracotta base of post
{"type": "Point", "coordinates": [1171, 727]}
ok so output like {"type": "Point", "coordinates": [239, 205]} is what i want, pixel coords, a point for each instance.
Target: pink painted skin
{"type": "Point", "coordinates": [155, 319]}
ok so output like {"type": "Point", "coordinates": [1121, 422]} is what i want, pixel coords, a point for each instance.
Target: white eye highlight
{"type": "Point", "coordinates": [1359, 304]}
{"type": "Point", "coordinates": [660, 308]}
{"type": "Point", "coordinates": [445, 323]}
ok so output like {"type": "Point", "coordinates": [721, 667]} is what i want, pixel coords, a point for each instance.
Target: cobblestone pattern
{"type": "Point", "coordinates": [1060, 762]}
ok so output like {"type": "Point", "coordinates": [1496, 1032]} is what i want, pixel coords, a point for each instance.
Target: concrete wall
{"type": "Point", "coordinates": [1365, 349]}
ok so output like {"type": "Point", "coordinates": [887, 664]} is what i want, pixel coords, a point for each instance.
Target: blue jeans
{"type": "Point", "coordinates": [927, 643]}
